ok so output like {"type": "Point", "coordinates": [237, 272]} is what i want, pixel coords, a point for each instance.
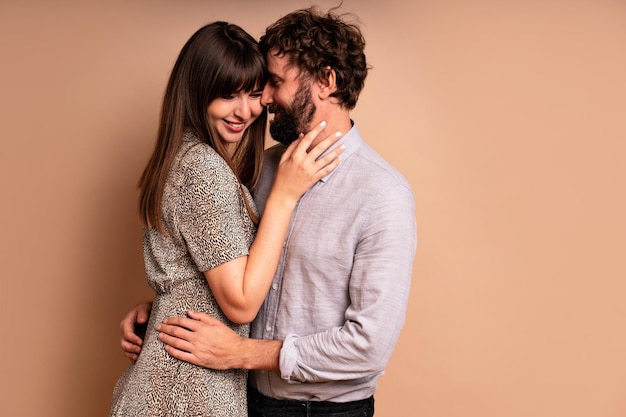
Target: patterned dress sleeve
{"type": "Point", "coordinates": [211, 215]}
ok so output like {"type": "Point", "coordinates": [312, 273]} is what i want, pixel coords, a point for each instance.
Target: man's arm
{"type": "Point", "coordinates": [130, 341]}
{"type": "Point", "coordinates": [206, 341]}
{"type": "Point", "coordinates": [379, 286]}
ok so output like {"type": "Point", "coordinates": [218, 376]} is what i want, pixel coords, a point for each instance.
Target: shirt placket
{"type": "Point", "coordinates": [273, 297]}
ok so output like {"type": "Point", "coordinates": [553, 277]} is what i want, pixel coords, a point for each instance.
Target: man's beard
{"type": "Point", "coordinates": [290, 122]}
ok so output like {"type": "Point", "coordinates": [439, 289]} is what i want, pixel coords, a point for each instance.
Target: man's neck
{"type": "Point", "coordinates": [337, 121]}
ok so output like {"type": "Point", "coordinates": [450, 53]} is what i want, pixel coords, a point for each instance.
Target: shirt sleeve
{"type": "Point", "coordinates": [379, 288]}
{"type": "Point", "coordinates": [211, 214]}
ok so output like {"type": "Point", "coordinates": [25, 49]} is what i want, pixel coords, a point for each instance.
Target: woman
{"type": "Point", "coordinates": [200, 248]}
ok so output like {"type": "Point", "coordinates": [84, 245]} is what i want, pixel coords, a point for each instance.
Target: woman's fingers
{"type": "Point", "coordinates": [326, 168]}
{"type": "Point", "coordinates": [305, 141]}
{"type": "Point", "coordinates": [323, 146]}
{"type": "Point", "coordinates": [303, 164]}
{"type": "Point", "coordinates": [330, 158]}
{"type": "Point", "coordinates": [300, 146]}
{"type": "Point", "coordinates": [290, 148]}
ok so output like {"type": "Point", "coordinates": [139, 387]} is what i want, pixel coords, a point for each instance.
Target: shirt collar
{"type": "Point", "coordinates": [351, 140]}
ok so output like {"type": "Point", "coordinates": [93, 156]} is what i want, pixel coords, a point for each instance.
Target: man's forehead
{"type": "Point", "coordinates": [280, 65]}
{"type": "Point", "coordinates": [275, 63]}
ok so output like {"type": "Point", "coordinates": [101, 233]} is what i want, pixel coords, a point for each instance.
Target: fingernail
{"type": "Point", "coordinates": [338, 134]}
{"type": "Point", "coordinates": [323, 123]}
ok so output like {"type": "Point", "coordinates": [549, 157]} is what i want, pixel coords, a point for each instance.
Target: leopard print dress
{"type": "Point", "coordinates": [206, 224]}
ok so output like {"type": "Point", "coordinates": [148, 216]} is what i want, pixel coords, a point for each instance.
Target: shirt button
{"type": "Point", "coordinates": [268, 328]}
{"type": "Point", "coordinates": [274, 286]}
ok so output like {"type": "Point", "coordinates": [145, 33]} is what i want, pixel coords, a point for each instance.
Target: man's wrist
{"type": "Point", "coordinates": [262, 355]}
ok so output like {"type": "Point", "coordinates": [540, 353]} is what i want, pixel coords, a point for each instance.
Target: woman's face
{"type": "Point", "coordinates": [230, 116]}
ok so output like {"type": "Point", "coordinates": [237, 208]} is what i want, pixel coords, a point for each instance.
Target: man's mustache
{"type": "Point", "coordinates": [273, 108]}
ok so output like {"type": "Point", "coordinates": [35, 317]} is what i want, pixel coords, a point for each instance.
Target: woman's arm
{"type": "Point", "coordinates": [240, 285]}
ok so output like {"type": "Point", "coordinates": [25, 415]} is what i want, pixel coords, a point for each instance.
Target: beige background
{"type": "Point", "coordinates": [507, 117]}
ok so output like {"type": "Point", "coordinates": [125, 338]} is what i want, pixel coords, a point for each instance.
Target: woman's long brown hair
{"type": "Point", "coordinates": [218, 60]}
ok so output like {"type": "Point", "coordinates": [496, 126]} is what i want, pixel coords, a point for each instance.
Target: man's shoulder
{"type": "Point", "coordinates": [381, 171]}
{"type": "Point", "coordinates": [275, 152]}
{"type": "Point", "coordinates": [271, 159]}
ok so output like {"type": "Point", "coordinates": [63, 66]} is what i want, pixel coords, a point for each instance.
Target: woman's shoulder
{"type": "Point", "coordinates": [198, 163]}
{"type": "Point", "coordinates": [200, 156]}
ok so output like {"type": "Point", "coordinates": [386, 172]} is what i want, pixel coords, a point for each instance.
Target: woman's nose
{"type": "Point", "coordinates": [243, 109]}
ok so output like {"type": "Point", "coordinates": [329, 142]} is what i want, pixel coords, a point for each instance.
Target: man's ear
{"type": "Point", "coordinates": [327, 84]}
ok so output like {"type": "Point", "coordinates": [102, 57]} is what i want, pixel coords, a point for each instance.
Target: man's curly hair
{"type": "Point", "coordinates": [314, 41]}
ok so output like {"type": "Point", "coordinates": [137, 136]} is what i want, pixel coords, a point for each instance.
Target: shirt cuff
{"type": "Point", "coordinates": [288, 357]}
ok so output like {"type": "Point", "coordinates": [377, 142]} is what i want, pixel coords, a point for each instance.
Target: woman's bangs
{"type": "Point", "coordinates": [244, 74]}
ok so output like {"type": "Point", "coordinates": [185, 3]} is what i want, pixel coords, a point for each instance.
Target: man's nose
{"type": "Point", "coordinates": [266, 95]}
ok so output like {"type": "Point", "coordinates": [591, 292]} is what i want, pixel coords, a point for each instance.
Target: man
{"type": "Point", "coordinates": [337, 304]}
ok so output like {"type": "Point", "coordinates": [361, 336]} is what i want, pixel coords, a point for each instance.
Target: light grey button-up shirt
{"type": "Point", "coordinates": [339, 296]}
